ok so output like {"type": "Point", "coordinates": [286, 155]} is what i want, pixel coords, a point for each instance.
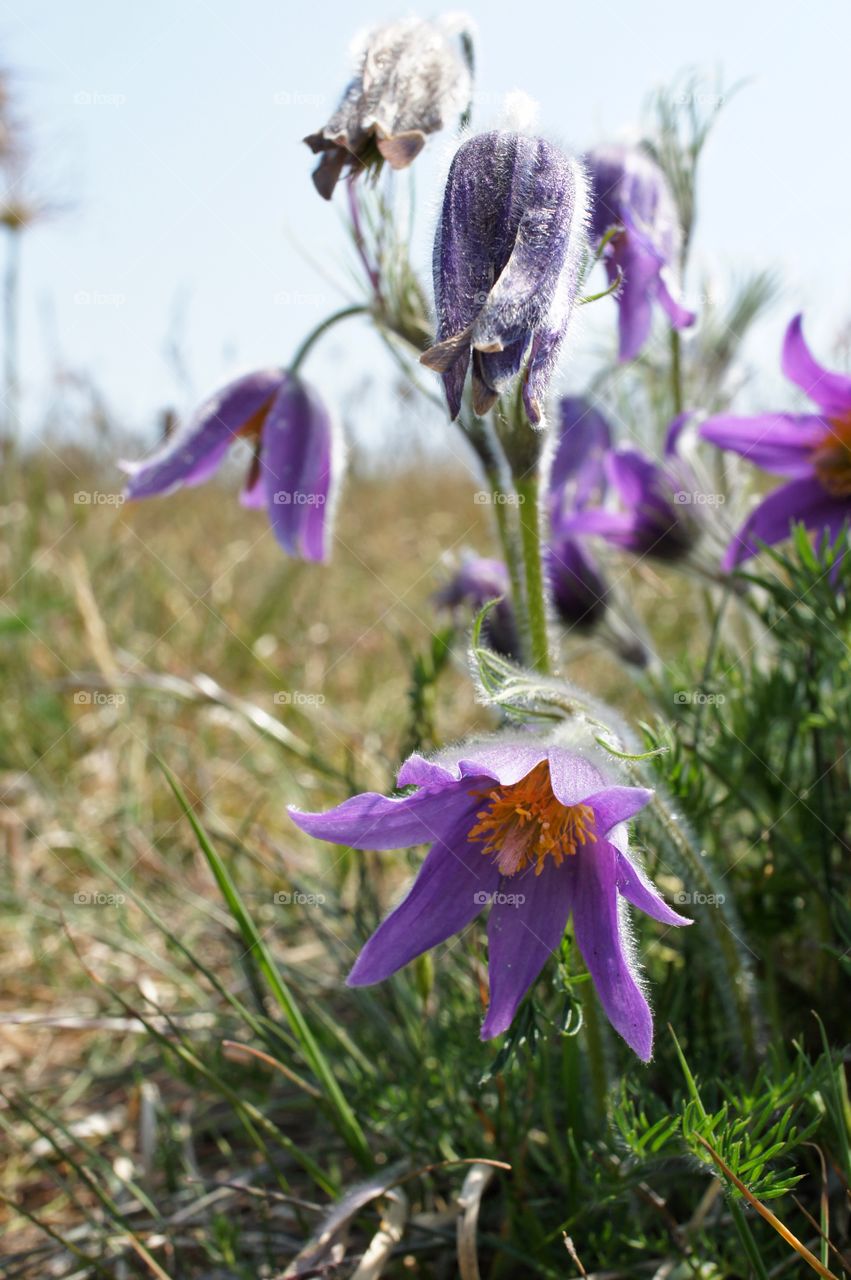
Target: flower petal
{"type": "Point", "coordinates": [572, 777]}
{"type": "Point", "coordinates": [521, 937]}
{"type": "Point", "coordinates": [195, 452]}
{"type": "Point", "coordinates": [680, 316]}
{"type": "Point", "coordinates": [450, 890]}
{"type": "Point", "coordinates": [615, 805]}
{"type": "Point", "coordinates": [374, 821]}
{"type": "Point", "coordinates": [799, 500]}
{"type": "Point", "coordinates": [296, 462]}
{"type": "Point", "coordinates": [584, 437]}
{"type": "Point", "coordinates": [603, 938]}
{"type": "Point", "coordinates": [832, 391]}
{"type": "Point", "coordinates": [635, 886]}
{"type": "Point", "coordinates": [635, 313]}
{"type": "Point", "coordinates": [777, 442]}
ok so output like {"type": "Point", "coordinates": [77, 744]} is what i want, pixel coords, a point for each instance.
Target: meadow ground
{"type": "Point", "coordinates": [138, 1135]}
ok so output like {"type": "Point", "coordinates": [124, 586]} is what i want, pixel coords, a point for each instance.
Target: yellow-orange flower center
{"type": "Point", "coordinates": [832, 458]}
{"type": "Point", "coordinates": [523, 824]}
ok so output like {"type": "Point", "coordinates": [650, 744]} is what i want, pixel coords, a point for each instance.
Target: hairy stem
{"type": "Point", "coordinates": [530, 541]}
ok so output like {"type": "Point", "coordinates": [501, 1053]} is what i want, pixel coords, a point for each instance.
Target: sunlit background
{"type": "Point", "coordinates": [185, 240]}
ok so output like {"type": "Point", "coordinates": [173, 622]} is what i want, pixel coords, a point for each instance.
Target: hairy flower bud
{"type": "Point", "coordinates": [506, 261]}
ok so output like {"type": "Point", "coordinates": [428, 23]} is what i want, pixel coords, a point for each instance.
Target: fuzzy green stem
{"type": "Point", "coordinates": [530, 541]}
{"type": "Point", "coordinates": [315, 334]}
{"type": "Point", "coordinates": [676, 372]}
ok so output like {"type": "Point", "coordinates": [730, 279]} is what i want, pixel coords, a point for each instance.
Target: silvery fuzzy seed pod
{"type": "Point", "coordinates": [506, 267]}
{"type": "Point", "coordinates": [412, 79]}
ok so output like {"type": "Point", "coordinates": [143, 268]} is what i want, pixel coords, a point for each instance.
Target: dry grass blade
{"type": "Point", "coordinates": [469, 1202]}
{"type": "Point", "coordinates": [327, 1245]}
{"type": "Point", "coordinates": [765, 1213]}
{"type": "Point", "coordinates": [386, 1238]}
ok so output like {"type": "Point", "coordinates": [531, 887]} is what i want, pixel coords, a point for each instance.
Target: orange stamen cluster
{"type": "Point", "coordinates": [524, 824]}
{"type": "Point", "coordinates": [832, 458]}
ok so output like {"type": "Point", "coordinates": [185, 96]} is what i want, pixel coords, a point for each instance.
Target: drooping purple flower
{"type": "Point", "coordinates": [535, 830]}
{"type": "Point", "coordinates": [292, 468]}
{"type": "Point", "coordinates": [630, 191]}
{"type": "Point", "coordinates": [814, 449]}
{"type": "Point", "coordinates": [655, 515]}
{"type": "Point", "coordinates": [577, 478]}
{"type": "Point", "coordinates": [577, 587]}
{"type": "Point", "coordinates": [476, 581]}
{"type": "Point", "coordinates": [506, 259]}
{"type": "Point", "coordinates": [413, 77]}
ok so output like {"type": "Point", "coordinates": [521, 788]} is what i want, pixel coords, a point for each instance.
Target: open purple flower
{"type": "Point", "coordinates": [476, 581]}
{"type": "Point", "coordinates": [292, 467]}
{"type": "Point", "coordinates": [413, 77]}
{"type": "Point", "coordinates": [536, 831]}
{"type": "Point", "coordinates": [814, 449]}
{"type": "Point", "coordinates": [630, 191]}
{"type": "Point", "coordinates": [505, 267]}
{"type": "Point", "coordinates": [655, 516]}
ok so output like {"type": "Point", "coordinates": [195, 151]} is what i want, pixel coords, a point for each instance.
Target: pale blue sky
{"type": "Point", "coordinates": [173, 130]}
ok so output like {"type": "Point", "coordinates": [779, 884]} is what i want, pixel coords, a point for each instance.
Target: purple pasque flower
{"type": "Point", "coordinates": [577, 587]}
{"type": "Point", "coordinates": [476, 581]}
{"type": "Point", "coordinates": [630, 191]}
{"type": "Point", "coordinates": [506, 259]}
{"type": "Point", "coordinates": [537, 831]}
{"type": "Point", "coordinates": [577, 479]}
{"type": "Point", "coordinates": [655, 513]}
{"type": "Point", "coordinates": [412, 78]}
{"type": "Point", "coordinates": [292, 468]}
{"type": "Point", "coordinates": [814, 449]}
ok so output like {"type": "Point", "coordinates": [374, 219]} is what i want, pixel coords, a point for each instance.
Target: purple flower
{"type": "Point", "coordinates": [294, 458]}
{"type": "Point", "coordinates": [814, 449]}
{"type": "Point", "coordinates": [577, 586]}
{"type": "Point", "coordinates": [413, 76]}
{"type": "Point", "coordinates": [656, 517]}
{"type": "Point", "coordinates": [577, 478]}
{"type": "Point", "coordinates": [505, 267]}
{"type": "Point", "coordinates": [476, 581]}
{"type": "Point", "coordinates": [535, 830]}
{"type": "Point", "coordinates": [630, 191]}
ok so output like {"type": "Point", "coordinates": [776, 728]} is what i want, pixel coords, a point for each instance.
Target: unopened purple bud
{"type": "Point", "coordinates": [475, 582]}
{"type": "Point", "coordinates": [630, 191]}
{"type": "Point", "coordinates": [506, 260]}
{"type": "Point", "coordinates": [413, 77]}
{"type": "Point", "coordinates": [577, 587]}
